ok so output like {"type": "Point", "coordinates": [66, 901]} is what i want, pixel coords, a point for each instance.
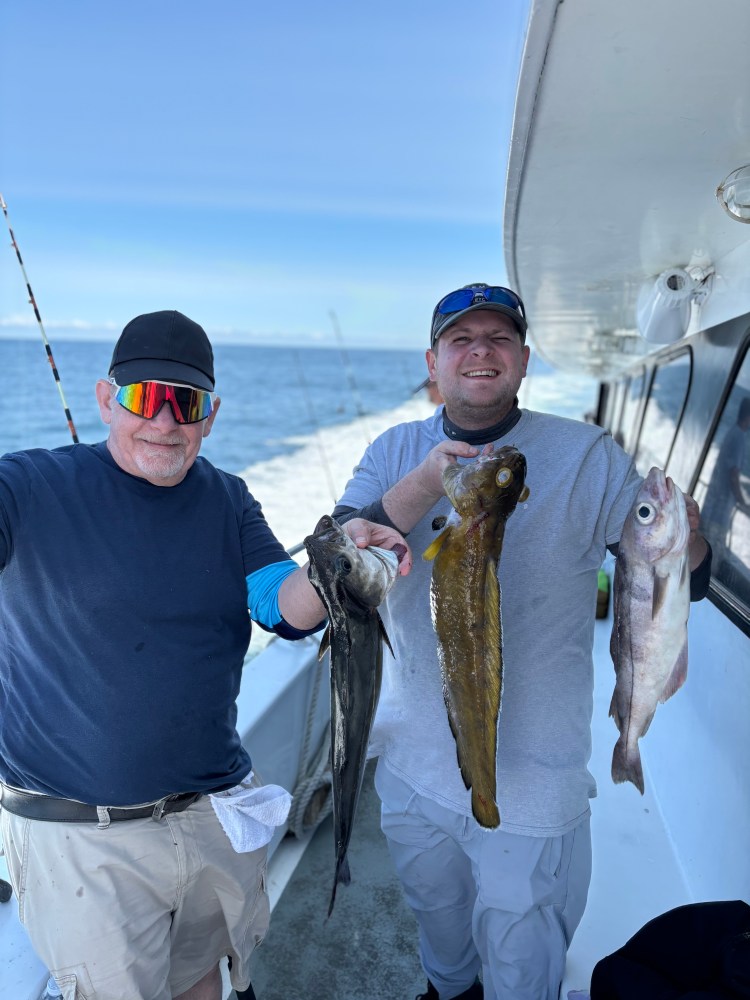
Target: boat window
{"type": "Point", "coordinates": [625, 434]}
{"type": "Point", "coordinates": [612, 405]}
{"type": "Point", "coordinates": [723, 491]}
{"type": "Point", "coordinates": [664, 406]}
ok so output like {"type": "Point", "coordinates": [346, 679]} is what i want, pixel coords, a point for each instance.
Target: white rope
{"type": "Point", "coordinates": [311, 798]}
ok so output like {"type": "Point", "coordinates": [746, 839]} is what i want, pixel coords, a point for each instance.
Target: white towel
{"type": "Point", "coordinates": [249, 813]}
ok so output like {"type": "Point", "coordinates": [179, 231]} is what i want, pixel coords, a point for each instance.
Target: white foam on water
{"type": "Point", "coordinates": [296, 490]}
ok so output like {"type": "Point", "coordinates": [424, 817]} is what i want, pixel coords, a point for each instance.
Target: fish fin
{"type": "Point", "coordinates": [384, 635]}
{"type": "Point", "coordinates": [684, 570]}
{"type": "Point", "coordinates": [492, 599]}
{"type": "Point", "coordinates": [524, 494]}
{"type": "Point", "coordinates": [325, 643]}
{"type": "Point", "coordinates": [439, 522]}
{"type": "Point", "coordinates": [435, 546]}
{"type": "Point", "coordinates": [627, 766]}
{"type": "Point", "coordinates": [661, 584]}
{"type": "Point", "coordinates": [613, 713]}
{"type": "Point", "coordinates": [485, 812]}
{"type": "Point", "coordinates": [678, 675]}
{"type": "Point", "coordinates": [343, 876]}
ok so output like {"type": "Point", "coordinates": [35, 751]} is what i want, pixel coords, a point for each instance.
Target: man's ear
{"type": "Point", "coordinates": [210, 419]}
{"type": "Point", "coordinates": [105, 398]}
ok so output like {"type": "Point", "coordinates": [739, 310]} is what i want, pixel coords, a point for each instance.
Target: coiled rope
{"type": "Point", "coordinates": [312, 795]}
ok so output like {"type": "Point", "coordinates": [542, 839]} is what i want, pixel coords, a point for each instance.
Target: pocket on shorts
{"type": "Point", "coordinates": [257, 926]}
{"type": "Point", "coordinates": [555, 857]}
{"type": "Point", "coordinates": [259, 917]}
{"type": "Point", "coordinates": [16, 843]}
{"type": "Point", "coordinates": [75, 983]}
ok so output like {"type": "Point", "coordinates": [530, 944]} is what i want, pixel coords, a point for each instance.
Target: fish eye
{"type": "Point", "coordinates": [503, 476]}
{"type": "Point", "coordinates": [645, 513]}
{"type": "Point", "coordinates": [343, 565]}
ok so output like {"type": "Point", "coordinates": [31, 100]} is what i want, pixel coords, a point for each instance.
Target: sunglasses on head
{"type": "Point", "coordinates": [145, 399]}
{"type": "Point", "coordinates": [465, 297]}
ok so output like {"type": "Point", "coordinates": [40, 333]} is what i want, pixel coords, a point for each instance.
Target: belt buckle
{"type": "Point", "coordinates": [160, 808]}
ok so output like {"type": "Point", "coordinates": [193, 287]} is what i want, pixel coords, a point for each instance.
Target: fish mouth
{"type": "Point", "coordinates": [328, 525]}
{"type": "Point", "coordinates": [659, 485]}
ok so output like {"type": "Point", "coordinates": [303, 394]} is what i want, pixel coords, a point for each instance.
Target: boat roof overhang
{"type": "Point", "coordinates": [628, 116]}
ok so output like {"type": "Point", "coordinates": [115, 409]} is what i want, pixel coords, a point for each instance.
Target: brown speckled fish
{"type": "Point", "coordinates": [465, 600]}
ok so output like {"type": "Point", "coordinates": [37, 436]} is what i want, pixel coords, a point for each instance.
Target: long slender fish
{"type": "Point", "coordinates": [651, 606]}
{"type": "Point", "coordinates": [351, 583]}
{"type": "Point", "coordinates": [465, 602]}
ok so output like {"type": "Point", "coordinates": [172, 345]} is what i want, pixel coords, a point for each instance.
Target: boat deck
{"type": "Point", "coordinates": [367, 950]}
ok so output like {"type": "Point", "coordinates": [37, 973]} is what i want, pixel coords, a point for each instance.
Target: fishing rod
{"type": "Point", "coordinates": [361, 412]}
{"type": "Point", "coordinates": [48, 349]}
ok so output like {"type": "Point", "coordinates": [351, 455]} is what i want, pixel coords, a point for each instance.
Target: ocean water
{"type": "Point", "coordinates": [293, 421]}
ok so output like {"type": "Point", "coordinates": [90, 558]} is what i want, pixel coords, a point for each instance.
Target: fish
{"type": "Point", "coordinates": [465, 606]}
{"type": "Point", "coordinates": [352, 583]}
{"type": "Point", "coordinates": [651, 593]}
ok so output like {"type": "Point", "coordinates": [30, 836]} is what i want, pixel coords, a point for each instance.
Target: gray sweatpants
{"type": "Point", "coordinates": [485, 900]}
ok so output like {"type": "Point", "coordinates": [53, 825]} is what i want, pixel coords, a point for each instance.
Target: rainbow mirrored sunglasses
{"type": "Point", "coordinates": [145, 399]}
{"type": "Point", "coordinates": [465, 297]}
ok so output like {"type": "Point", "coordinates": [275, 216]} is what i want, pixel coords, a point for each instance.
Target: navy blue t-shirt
{"type": "Point", "coordinates": [123, 626]}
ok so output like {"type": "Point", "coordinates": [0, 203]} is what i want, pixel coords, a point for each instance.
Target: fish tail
{"type": "Point", "coordinates": [627, 766]}
{"type": "Point", "coordinates": [485, 810]}
{"type": "Point", "coordinates": [343, 875]}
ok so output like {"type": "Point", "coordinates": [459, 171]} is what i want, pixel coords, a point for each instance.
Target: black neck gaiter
{"type": "Point", "coordinates": [486, 434]}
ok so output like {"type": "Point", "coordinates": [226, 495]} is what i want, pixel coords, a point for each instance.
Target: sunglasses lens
{"type": "Point", "coordinates": [456, 301]}
{"type": "Point", "coordinates": [464, 297]}
{"type": "Point", "coordinates": [193, 404]}
{"type": "Point", "coordinates": [145, 399]}
{"type": "Point", "coordinates": [505, 297]}
{"type": "Point", "coordinates": [142, 398]}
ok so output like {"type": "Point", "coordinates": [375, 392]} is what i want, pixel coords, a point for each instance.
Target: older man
{"type": "Point", "coordinates": [128, 568]}
{"type": "Point", "coordinates": [504, 902]}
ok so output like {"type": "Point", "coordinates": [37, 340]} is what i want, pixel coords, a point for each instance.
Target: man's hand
{"type": "Point", "coordinates": [429, 473]}
{"type": "Point", "coordinates": [697, 545]}
{"type": "Point", "coordinates": [410, 499]}
{"type": "Point", "coordinates": [364, 533]}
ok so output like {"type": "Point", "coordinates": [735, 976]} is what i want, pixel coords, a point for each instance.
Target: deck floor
{"type": "Point", "coordinates": [368, 947]}
{"type": "Point", "coordinates": [367, 950]}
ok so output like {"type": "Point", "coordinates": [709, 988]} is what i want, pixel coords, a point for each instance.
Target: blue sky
{"type": "Point", "coordinates": [254, 165]}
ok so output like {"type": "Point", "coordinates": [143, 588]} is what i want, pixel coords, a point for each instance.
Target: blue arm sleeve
{"type": "Point", "coordinates": [263, 592]}
{"type": "Point", "coordinates": [263, 599]}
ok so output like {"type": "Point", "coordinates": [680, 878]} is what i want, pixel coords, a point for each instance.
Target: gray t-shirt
{"type": "Point", "coordinates": [582, 486]}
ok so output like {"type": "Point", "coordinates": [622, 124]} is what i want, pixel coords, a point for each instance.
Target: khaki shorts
{"type": "Point", "coordinates": [141, 910]}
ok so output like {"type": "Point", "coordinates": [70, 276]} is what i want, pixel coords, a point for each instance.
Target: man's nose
{"type": "Point", "coordinates": [481, 346]}
{"type": "Point", "coordinates": [165, 416]}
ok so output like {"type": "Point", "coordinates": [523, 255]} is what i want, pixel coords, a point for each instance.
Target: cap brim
{"type": "Point", "coordinates": [518, 320]}
{"type": "Point", "coordinates": [158, 370]}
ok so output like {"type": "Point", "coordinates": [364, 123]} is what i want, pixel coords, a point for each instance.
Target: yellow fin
{"type": "Point", "coordinates": [434, 547]}
{"type": "Point", "coordinates": [524, 494]}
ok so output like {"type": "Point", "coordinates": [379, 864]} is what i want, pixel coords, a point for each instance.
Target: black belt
{"type": "Point", "coordinates": [46, 807]}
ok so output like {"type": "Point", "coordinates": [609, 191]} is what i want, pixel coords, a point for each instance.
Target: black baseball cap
{"type": "Point", "coordinates": [456, 304]}
{"type": "Point", "coordinates": [163, 347]}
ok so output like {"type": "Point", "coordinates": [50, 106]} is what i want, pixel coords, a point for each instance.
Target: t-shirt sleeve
{"type": "Point", "coordinates": [260, 547]}
{"type": "Point", "coordinates": [367, 484]}
{"type": "Point", "coordinates": [623, 483]}
{"type": "Point", "coordinates": [267, 564]}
